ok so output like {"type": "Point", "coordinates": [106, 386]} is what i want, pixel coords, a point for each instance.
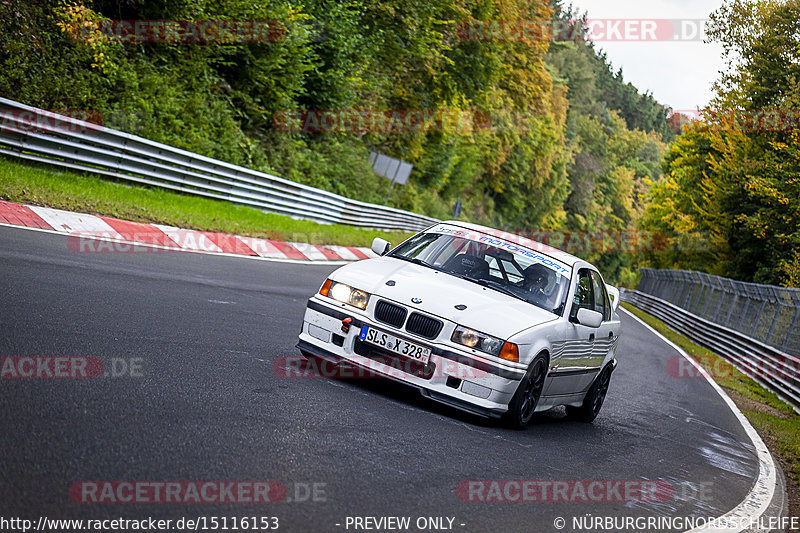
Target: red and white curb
{"type": "Point", "coordinates": [99, 234]}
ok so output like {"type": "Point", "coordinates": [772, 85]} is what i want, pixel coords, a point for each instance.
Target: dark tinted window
{"type": "Point", "coordinates": [493, 264]}
{"type": "Point", "coordinates": [583, 292]}
{"type": "Point", "coordinates": [601, 304]}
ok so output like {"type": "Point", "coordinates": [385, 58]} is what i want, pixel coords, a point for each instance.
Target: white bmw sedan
{"type": "Point", "coordinates": [479, 319]}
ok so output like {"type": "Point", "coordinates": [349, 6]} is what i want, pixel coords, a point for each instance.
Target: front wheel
{"type": "Point", "coordinates": [593, 400]}
{"type": "Point", "coordinates": [523, 404]}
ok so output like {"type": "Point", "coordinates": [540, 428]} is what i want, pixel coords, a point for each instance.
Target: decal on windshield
{"type": "Point", "coordinates": [497, 242]}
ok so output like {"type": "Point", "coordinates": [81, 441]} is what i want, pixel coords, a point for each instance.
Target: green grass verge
{"type": "Point", "coordinates": [775, 421]}
{"type": "Point", "coordinates": [40, 185]}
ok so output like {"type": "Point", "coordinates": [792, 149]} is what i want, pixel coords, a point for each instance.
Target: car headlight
{"type": "Point", "coordinates": [345, 294]}
{"type": "Point", "coordinates": [477, 340]}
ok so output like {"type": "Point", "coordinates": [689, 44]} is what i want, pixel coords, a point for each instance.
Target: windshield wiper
{"type": "Point", "coordinates": [498, 287]}
{"type": "Point", "coordinates": [490, 284]}
{"type": "Point", "coordinates": [414, 260]}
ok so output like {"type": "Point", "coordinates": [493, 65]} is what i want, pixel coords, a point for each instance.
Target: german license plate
{"type": "Point", "coordinates": [387, 341]}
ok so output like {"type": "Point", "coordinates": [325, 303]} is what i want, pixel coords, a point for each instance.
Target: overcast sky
{"type": "Point", "coordinates": [679, 74]}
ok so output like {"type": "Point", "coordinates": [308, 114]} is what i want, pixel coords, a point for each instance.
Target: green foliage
{"type": "Point", "coordinates": [596, 88]}
{"type": "Point", "coordinates": [733, 183]}
{"type": "Point", "coordinates": [554, 139]}
{"type": "Point", "coordinates": [617, 136]}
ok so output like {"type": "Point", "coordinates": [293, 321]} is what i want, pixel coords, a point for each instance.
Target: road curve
{"type": "Point", "coordinates": [207, 404]}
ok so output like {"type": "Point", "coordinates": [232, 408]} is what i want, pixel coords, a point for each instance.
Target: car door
{"type": "Point", "coordinates": [606, 339]}
{"type": "Point", "coordinates": [573, 369]}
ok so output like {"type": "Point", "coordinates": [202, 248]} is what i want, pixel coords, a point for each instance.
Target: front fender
{"type": "Point", "coordinates": [536, 340]}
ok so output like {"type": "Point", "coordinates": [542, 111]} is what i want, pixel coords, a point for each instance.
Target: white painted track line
{"type": "Point", "coordinates": [753, 507]}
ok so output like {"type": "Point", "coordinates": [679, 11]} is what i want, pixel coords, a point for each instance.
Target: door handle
{"type": "Point", "coordinates": [591, 336]}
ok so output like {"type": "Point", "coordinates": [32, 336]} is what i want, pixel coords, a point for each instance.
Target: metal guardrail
{"type": "Point", "coordinates": [42, 136]}
{"type": "Point", "coordinates": [766, 313]}
{"type": "Point", "coordinates": [774, 369]}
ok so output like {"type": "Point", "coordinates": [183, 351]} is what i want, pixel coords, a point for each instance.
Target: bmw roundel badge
{"type": "Point", "coordinates": [416, 300]}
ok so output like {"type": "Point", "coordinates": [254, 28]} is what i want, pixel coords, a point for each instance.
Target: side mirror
{"type": "Point", "coordinates": [381, 246]}
{"type": "Point", "coordinates": [590, 318]}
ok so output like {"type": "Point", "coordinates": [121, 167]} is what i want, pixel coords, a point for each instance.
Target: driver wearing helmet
{"type": "Point", "coordinates": [537, 279]}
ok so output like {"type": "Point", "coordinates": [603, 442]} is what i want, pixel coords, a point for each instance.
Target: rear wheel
{"type": "Point", "coordinates": [594, 399]}
{"type": "Point", "coordinates": [523, 404]}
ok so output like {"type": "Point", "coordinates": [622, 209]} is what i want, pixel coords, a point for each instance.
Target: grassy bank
{"type": "Point", "coordinates": [39, 185]}
{"type": "Point", "coordinates": [775, 421]}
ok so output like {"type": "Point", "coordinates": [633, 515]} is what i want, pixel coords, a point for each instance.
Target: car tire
{"type": "Point", "coordinates": [523, 404]}
{"type": "Point", "coordinates": [593, 401]}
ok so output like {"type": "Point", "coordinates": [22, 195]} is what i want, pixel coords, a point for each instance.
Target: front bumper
{"type": "Point", "coordinates": [452, 377]}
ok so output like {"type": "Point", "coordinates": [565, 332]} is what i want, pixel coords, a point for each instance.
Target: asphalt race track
{"type": "Point", "coordinates": [205, 403]}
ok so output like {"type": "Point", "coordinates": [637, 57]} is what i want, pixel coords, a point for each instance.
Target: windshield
{"type": "Point", "coordinates": [492, 262]}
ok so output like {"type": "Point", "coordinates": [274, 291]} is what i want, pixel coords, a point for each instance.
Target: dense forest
{"type": "Point", "coordinates": [732, 180]}
{"type": "Point", "coordinates": [547, 135]}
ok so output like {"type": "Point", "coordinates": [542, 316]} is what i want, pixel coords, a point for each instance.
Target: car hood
{"type": "Point", "coordinates": [488, 310]}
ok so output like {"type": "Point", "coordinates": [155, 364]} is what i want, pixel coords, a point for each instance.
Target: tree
{"type": "Point", "coordinates": [734, 175]}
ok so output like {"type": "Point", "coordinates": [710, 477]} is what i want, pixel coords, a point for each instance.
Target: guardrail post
{"type": "Point", "coordinates": [758, 318]}
{"type": "Point", "coordinates": [662, 285]}
{"type": "Point", "coordinates": [724, 294]}
{"type": "Point", "coordinates": [682, 288]}
{"type": "Point", "coordinates": [794, 321]}
{"type": "Point", "coordinates": [693, 288]}
{"type": "Point", "coordinates": [700, 294]}
{"type": "Point", "coordinates": [659, 281]}
{"type": "Point", "coordinates": [711, 282]}
{"type": "Point", "coordinates": [644, 280]}
{"type": "Point", "coordinates": [747, 299]}
{"type": "Point", "coordinates": [733, 306]}
{"type": "Point", "coordinates": [692, 284]}
{"type": "Point", "coordinates": [778, 309]}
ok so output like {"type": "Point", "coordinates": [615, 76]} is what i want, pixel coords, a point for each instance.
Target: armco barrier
{"type": "Point", "coordinates": [776, 370]}
{"type": "Point", "coordinates": [45, 137]}
{"type": "Point", "coordinates": [765, 313]}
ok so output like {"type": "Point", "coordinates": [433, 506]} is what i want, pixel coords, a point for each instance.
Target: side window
{"type": "Point", "coordinates": [583, 292]}
{"type": "Point", "coordinates": [514, 275]}
{"type": "Point", "coordinates": [494, 268]}
{"type": "Point", "coordinates": [601, 297]}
